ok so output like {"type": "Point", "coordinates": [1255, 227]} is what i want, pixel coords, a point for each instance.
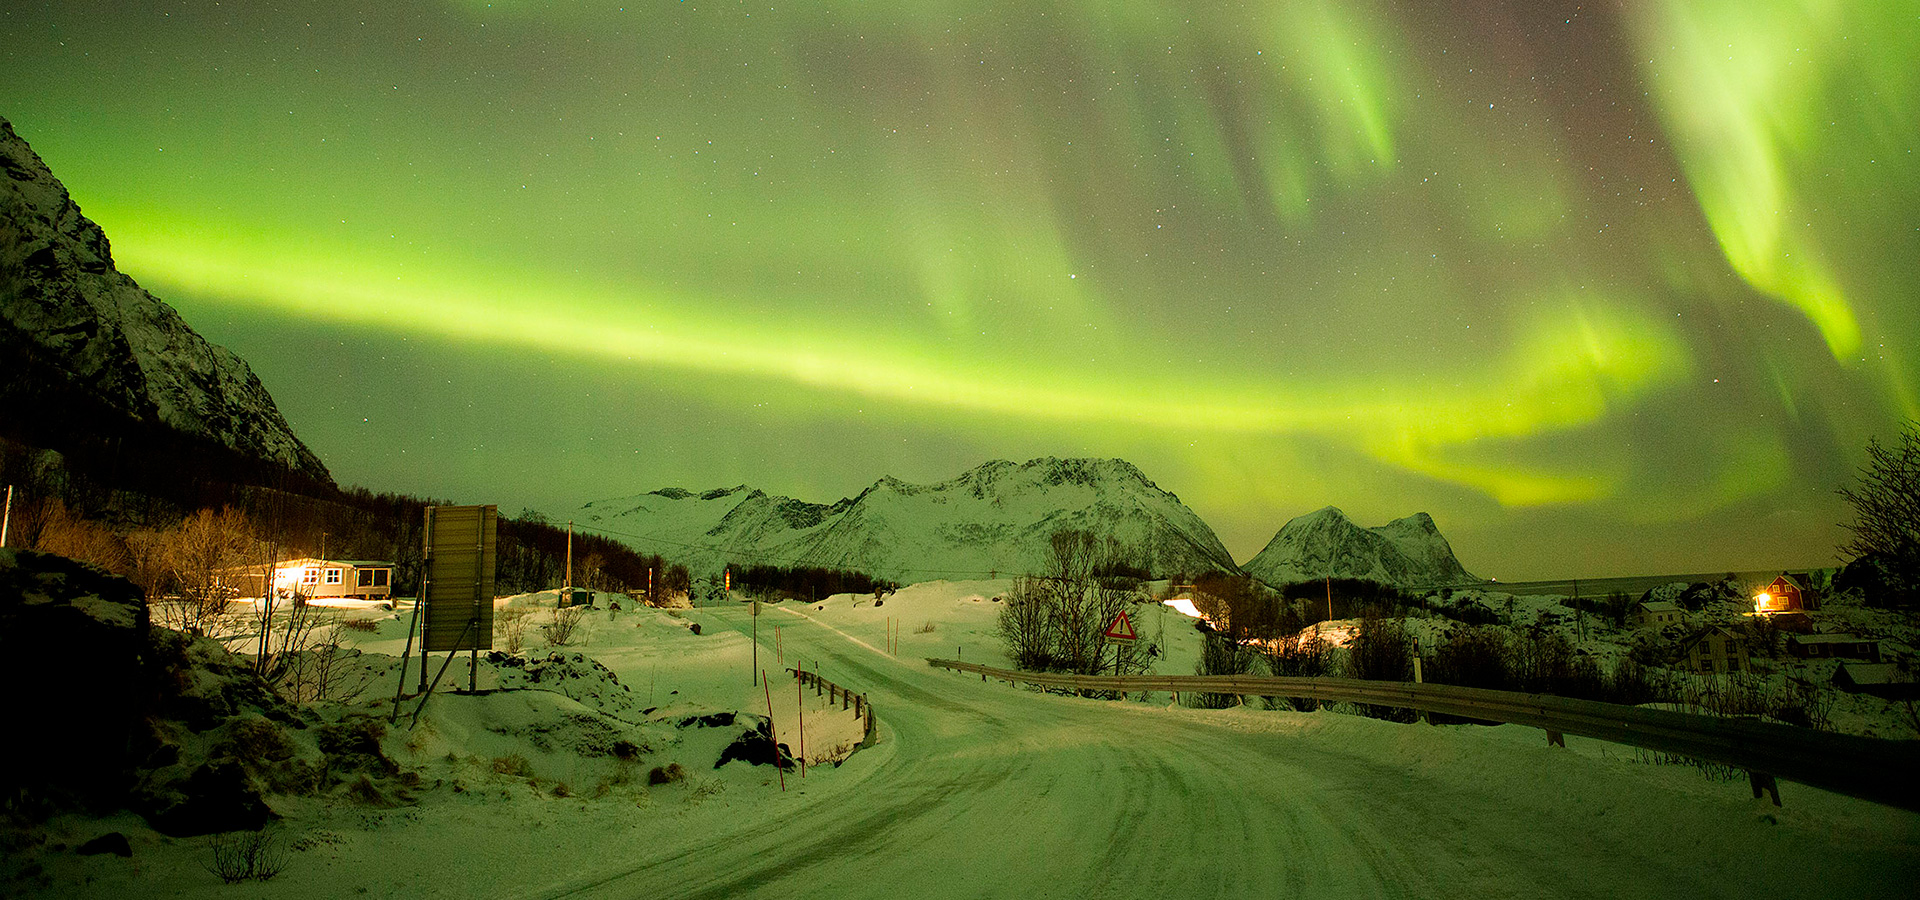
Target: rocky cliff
{"type": "Point", "coordinates": [85, 353]}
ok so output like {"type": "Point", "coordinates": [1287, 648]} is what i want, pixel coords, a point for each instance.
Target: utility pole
{"type": "Point", "coordinates": [6, 519]}
{"type": "Point", "coordinates": [569, 584]}
{"type": "Point", "coordinates": [1579, 612]}
{"type": "Point", "coordinates": [1329, 598]}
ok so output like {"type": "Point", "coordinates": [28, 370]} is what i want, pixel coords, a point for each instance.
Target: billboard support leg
{"type": "Point", "coordinates": [428, 693]}
{"type": "Point", "coordinates": [400, 690]}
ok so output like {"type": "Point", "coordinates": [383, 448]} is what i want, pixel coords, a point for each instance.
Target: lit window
{"type": "Point", "coordinates": [309, 576]}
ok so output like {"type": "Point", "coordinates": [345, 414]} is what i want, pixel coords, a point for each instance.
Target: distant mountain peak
{"type": "Point", "coordinates": [1408, 551]}
{"type": "Point", "coordinates": [996, 518]}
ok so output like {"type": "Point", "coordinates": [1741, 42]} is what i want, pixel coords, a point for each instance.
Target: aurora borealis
{"type": "Point", "coordinates": [1607, 290]}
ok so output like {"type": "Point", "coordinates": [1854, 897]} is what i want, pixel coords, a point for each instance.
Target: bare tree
{"type": "Point", "coordinates": [203, 554]}
{"type": "Point", "coordinates": [1026, 624]}
{"type": "Point", "coordinates": [1058, 620]}
{"type": "Point", "coordinates": [1886, 506]}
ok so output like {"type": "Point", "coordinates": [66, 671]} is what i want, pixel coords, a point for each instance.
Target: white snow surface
{"type": "Point", "coordinates": [978, 789]}
{"type": "Point", "coordinates": [992, 520]}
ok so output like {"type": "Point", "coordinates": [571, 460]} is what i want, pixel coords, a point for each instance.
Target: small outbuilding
{"type": "Point", "coordinates": [1656, 613]}
{"type": "Point", "coordinates": [1883, 679]}
{"type": "Point", "coordinates": [1833, 646]}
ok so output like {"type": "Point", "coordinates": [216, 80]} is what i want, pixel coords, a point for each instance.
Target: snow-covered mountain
{"type": "Point", "coordinates": [83, 342]}
{"type": "Point", "coordinates": [1408, 552]}
{"type": "Point", "coordinates": [993, 520]}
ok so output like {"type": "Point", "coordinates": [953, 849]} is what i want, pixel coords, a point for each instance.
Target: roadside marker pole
{"type": "Point", "coordinates": [800, 707]}
{"type": "Point", "coordinates": [774, 732]}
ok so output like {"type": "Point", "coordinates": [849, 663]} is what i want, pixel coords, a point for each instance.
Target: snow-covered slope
{"type": "Point", "coordinates": [1408, 552]}
{"type": "Point", "coordinates": [995, 519]}
{"type": "Point", "coordinates": [85, 335]}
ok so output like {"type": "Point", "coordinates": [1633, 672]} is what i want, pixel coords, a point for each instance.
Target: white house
{"type": "Point", "coordinates": [321, 579]}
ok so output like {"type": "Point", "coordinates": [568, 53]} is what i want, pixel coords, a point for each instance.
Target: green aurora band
{"type": "Point", "coordinates": [1548, 272]}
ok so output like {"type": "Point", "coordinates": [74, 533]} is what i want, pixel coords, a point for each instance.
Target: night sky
{"type": "Point", "coordinates": [1607, 289]}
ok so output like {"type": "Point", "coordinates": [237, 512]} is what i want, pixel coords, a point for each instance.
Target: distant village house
{"type": "Point", "coordinates": [1657, 613]}
{"type": "Point", "coordinates": [1717, 651]}
{"type": "Point", "coordinates": [1833, 646]}
{"type": "Point", "coordinates": [1883, 679]}
{"type": "Point", "coordinates": [1783, 595]}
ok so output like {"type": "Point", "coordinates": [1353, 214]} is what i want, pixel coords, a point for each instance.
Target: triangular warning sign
{"type": "Point", "coordinates": [1121, 629]}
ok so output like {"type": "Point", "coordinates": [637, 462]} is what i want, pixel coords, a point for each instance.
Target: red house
{"type": "Point", "coordinates": [1782, 595]}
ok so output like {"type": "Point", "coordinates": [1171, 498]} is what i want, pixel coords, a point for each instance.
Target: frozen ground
{"type": "Point", "coordinates": [975, 789]}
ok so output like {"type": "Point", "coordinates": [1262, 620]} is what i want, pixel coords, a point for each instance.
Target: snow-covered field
{"type": "Point", "coordinates": [976, 789]}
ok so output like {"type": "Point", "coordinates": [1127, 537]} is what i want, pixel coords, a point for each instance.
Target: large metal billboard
{"type": "Point", "coordinates": [458, 592]}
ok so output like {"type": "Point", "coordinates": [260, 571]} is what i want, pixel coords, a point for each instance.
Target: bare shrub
{"type": "Point", "coordinates": [666, 774]}
{"type": "Point", "coordinates": [510, 626]}
{"type": "Point", "coordinates": [60, 530]}
{"type": "Point", "coordinates": [1301, 654]}
{"type": "Point", "coordinates": [564, 624]}
{"type": "Point", "coordinates": [1381, 651]}
{"type": "Point", "coordinates": [514, 765]}
{"type": "Point", "coordinates": [925, 628]}
{"type": "Point", "coordinates": [1221, 655]}
{"type": "Point", "coordinates": [247, 856]}
{"type": "Point", "coordinates": [318, 666]}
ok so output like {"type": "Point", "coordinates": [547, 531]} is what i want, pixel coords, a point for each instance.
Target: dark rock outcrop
{"type": "Point", "coordinates": [116, 714]}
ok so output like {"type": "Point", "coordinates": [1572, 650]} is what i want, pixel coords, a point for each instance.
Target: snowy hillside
{"type": "Point", "coordinates": [522, 789]}
{"type": "Point", "coordinates": [1409, 552]}
{"type": "Point", "coordinates": [995, 519]}
{"type": "Point", "coordinates": [91, 341]}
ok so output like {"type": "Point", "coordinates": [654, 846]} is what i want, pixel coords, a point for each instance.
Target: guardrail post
{"type": "Point", "coordinates": [1763, 782]}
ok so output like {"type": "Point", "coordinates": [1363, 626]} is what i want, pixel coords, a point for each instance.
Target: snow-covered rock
{"type": "Point", "coordinates": [88, 339]}
{"type": "Point", "coordinates": [1408, 552]}
{"type": "Point", "coordinates": [996, 519]}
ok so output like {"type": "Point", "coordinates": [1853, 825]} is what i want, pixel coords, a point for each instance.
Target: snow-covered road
{"type": "Point", "coordinates": [981, 790]}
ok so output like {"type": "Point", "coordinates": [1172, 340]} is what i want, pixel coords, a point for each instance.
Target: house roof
{"type": "Point", "coordinates": [1711, 631]}
{"type": "Point", "coordinates": [1660, 606]}
{"type": "Point", "coordinates": [1829, 639]}
{"type": "Point", "coordinates": [1870, 673]}
{"type": "Point", "coordinates": [356, 563]}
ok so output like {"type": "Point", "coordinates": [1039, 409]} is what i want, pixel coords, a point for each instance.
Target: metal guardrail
{"type": "Point", "coordinates": [1876, 769]}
